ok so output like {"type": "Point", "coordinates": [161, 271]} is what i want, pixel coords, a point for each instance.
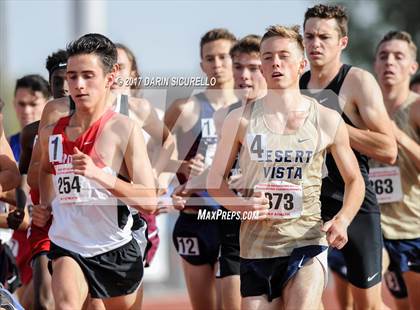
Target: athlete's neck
{"type": "Point", "coordinates": [84, 117]}
{"type": "Point", "coordinates": [395, 95]}
{"type": "Point", "coordinates": [283, 100]}
{"type": "Point", "coordinates": [321, 76]}
{"type": "Point", "coordinates": [221, 96]}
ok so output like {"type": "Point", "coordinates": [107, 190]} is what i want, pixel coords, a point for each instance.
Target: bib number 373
{"type": "Point", "coordinates": [285, 199]}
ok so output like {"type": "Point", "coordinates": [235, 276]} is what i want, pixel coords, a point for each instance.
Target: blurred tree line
{"type": "Point", "coordinates": [369, 20]}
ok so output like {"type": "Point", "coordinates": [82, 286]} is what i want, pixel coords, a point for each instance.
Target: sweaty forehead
{"type": "Point", "coordinates": [277, 44]}
{"type": "Point", "coordinates": [84, 62]}
{"type": "Point", "coordinates": [394, 46]}
{"type": "Point", "coordinates": [216, 47]}
{"type": "Point", "coordinates": [27, 95]}
{"type": "Point", "coordinates": [245, 59]}
{"type": "Point", "coordinates": [316, 25]}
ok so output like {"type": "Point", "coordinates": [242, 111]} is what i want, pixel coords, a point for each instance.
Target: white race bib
{"type": "Point", "coordinates": [208, 130]}
{"type": "Point", "coordinates": [55, 148]}
{"type": "Point", "coordinates": [285, 199]}
{"type": "Point", "coordinates": [210, 151]}
{"type": "Point", "coordinates": [386, 181]}
{"type": "Point", "coordinates": [71, 188]}
{"type": "Point", "coordinates": [188, 246]}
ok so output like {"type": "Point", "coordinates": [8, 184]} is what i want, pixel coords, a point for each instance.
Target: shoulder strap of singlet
{"type": "Point", "coordinates": [206, 109]}
{"type": "Point", "coordinates": [61, 124]}
{"type": "Point", "coordinates": [334, 85]}
{"type": "Point", "coordinates": [304, 80]}
{"type": "Point", "coordinates": [338, 80]}
{"type": "Point", "coordinates": [124, 105]}
{"type": "Point", "coordinates": [234, 106]}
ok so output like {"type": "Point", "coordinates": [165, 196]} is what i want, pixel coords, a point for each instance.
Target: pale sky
{"type": "Point", "coordinates": [164, 35]}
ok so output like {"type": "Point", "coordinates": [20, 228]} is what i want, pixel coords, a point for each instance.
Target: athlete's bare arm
{"type": "Point", "coordinates": [27, 137]}
{"type": "Point", "coordinates": [232, 134]}
{"type": "Point", "coordinates": [410, 147]}
{"type": "Point", "coordinates": [9, 176]}
{"type": "Point", "coordinates": [42, 212]}
{"type": "Point", "coordinates": [415, 116]}
{"type": "Point", "coordinates": [159, 133]}
{"type": "Point", "coordinates": [46, 189]}
{"type": "Point", "coordinates": [53, 111]}
{"type": "Point", "coordinates": [354, 191]}
{"type": "Point", "coordinates": [9, 173]}
{"type": "Point", "coordinates": [141, 192]}
{"type": "Point", "coordinates": [377, 139]}
{"type": "Point", "coordinates": [181, 117]}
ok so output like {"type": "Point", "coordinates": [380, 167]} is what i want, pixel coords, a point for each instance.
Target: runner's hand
{"type": "Point", "coordinates": [83, 164]}
{"type": "Point", "coordinates": [196, 165]}
{"type": "Point", "coordinates": [259, 203]}
{"type": "Point", "coordinates": [164, 206]}
{"type": "Point", "coordinates": [178, 197]}
{"type": "Point", "coordinates": [41, 214]}
{"type": "Point", "coordinates": [336, 230]}
{"type": "Point", "coordinates": [236, 182]}
{"type": "Point", "coordinates": [15, 218]}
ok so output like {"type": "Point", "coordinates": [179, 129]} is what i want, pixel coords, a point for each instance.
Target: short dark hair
{"type": "Point", "coordinates": [402, 36]}
{"type": "Point", "coordinates": [249, 44]}
{"type": "Point", "coordinates": [98, 44]}
{"type": "Point", "coordinates": [214, 35]}
{"type": "Point", "coordinates": [57, 60]}
{"type": "Point", "coordinates": [415, 80]}
{"type": "Point", "coordinates": [34, 82]}
{"type": "Point", "coordinates": [324, 11]}
{"type": "Point", "coordinates": [2, 104]}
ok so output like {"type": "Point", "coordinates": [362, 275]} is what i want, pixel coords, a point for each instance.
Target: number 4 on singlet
{"type": "Point", "coordinates": [55, 148]}
{"type": "Point", "coordinates": [257, 144]}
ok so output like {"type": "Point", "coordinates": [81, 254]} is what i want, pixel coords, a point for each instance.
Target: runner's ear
{"type": "Point", "coordinates": [110, 77]}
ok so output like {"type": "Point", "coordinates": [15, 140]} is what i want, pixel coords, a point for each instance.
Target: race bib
{"type": "Point", "coordinates": [71, 188]}
{"type": "Point", "coordinates": [188, 246]}
{"type": "Point", "coordinates": [210, 151]}
{"type": "Point", "coordinates": [208, 130]}
{"type": "Point", "coordinates": [386, 181]}
{"type": "Point", "coordinates": [4, 207]}
{"type": "Point", "coordinates": [55, 148]}
{"type": "Point", "coordinates": [285, 199]}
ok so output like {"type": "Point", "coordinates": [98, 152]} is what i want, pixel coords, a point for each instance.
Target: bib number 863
{"type": "Point", "coordinates": [382, 186]}
{"type": "Point", "coordinates": [275, 199]}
